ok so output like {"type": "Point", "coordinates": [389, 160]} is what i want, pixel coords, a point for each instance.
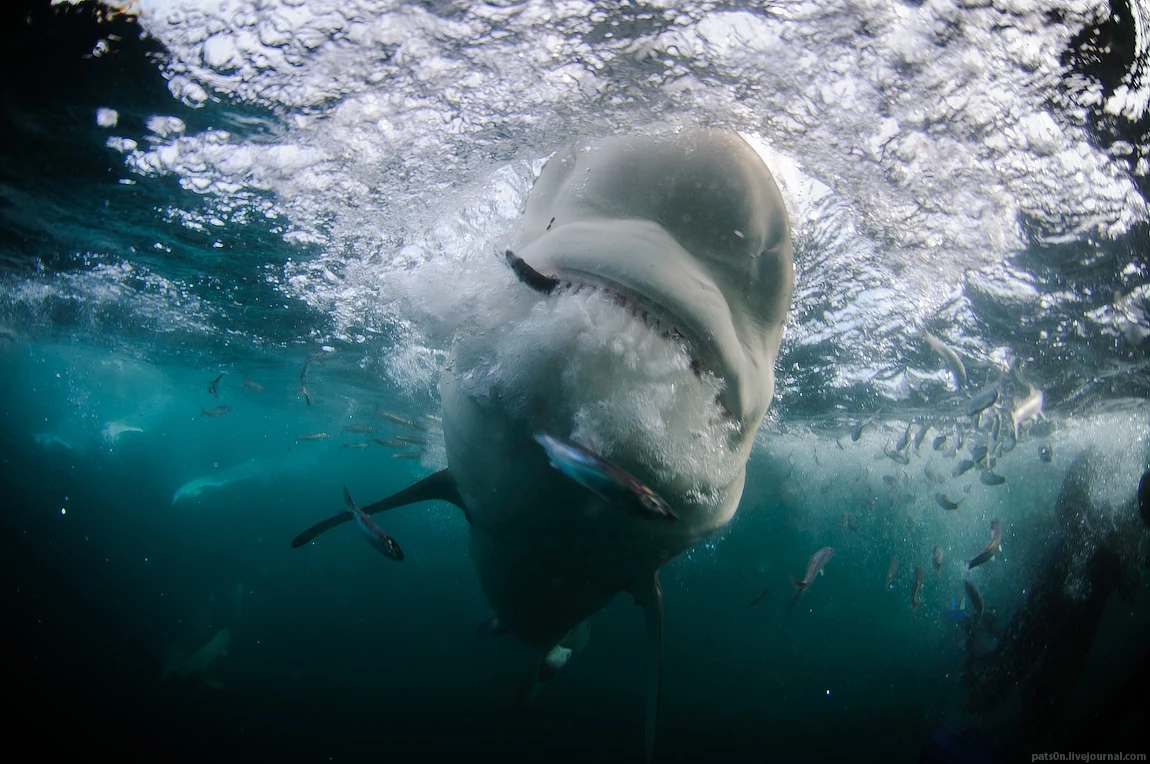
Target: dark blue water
{"type": "Point", "coordinates": [120, 302]}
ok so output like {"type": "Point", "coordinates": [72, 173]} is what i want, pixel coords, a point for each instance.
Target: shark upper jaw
{"type": "Point", "coordinates": [644, 269]}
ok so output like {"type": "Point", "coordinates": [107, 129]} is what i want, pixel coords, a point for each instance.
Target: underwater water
{"type": "Point", "coordinates": [228, 226]}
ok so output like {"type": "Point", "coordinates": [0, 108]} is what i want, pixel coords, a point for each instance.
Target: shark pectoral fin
{"type": "Point", "coordinates": [439, 486]}
{"type": "Point", "coordinates": [652, 601]}
{"type": "Point", "coordinates": [553, 662]}
{"type": "Point", "coordinates": [530, 684]}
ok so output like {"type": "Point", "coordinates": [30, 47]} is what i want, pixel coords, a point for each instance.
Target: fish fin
{"type": "Point", "coordinates": [652, 601]}
{"type": "Point", "coordinates": [529, 687]}
{"type": "Point", "coordinates": [348, 500]}
{"type": "Point", "coordinates": [439, 486]}
{"type": "Point", "coordinates": [554, 662]}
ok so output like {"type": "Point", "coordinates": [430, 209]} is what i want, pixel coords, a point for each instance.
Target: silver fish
{"type": "Point", "coordinates": [944, 502]}
{"type": "Point", "coordinates": [252, 385]}
{"type": "Point", "coordinates": [904, 439]}
{"type": "Point", "coordinates": [1029, 409]}
{"type": "Point", "coordinates": [897, 456]}
{"type": "Point", "coordinates": [375, 536]}
{"type": "Point", "coordinates": [989, 478]}
{"type": "Point", "coordinates": [213, 386]}
{"type": "Point", "coordinates": [604, 479]}
{"type": "Point", "coordinates": [949, 357]}
{"type": "Point", "coordinates": [857, 431]}
{"type": "Point", "coordinates": [921, 434]}
{"type": "Point", "coordinates": [984, 398]}
{"type": "Point", "coordinates": [401, 420]}
{"type": "Point", "coordinates": [216, 411]}
{"type": "Point", "coordinates": [814, 567]}
{"type": "Point", "coordinates": [963, 467]}
{"type": "Point", "coordinates": [992, 547]}
{"type": "Point", "coordinates": [915, 602]}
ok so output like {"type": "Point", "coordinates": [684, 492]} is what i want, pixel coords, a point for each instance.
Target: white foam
{"type": "Point", "coordinates": [910, 140]}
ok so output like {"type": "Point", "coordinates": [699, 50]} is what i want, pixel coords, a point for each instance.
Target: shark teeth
{"type": "Point", "coordinates": [664, 329]}
{"type": "Point", "coordinates": [668, 332]}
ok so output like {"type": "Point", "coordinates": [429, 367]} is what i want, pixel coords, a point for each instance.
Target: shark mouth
{"type": "Point", "coordinates": [657, 319]}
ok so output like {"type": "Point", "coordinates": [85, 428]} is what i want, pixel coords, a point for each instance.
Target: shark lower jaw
{"type": "Point", "coordinates": [660, 320]}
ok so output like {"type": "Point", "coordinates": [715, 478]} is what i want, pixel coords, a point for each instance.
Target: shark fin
{"type": "Point", "coordinates": [652, 601]}
{"type": "Point", "coordinates": [439, 486]}
{"type": "Point", "coordinates": [530, 684]}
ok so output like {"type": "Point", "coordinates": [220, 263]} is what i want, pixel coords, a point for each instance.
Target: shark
{"type": "Point", "coordinates": [636, 256]}
{"type": "Point", "coordinates": [242, 471]}
{"type": "Point", "coordinates": [199, 664]}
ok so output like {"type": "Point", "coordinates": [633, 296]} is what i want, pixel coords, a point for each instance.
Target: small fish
{"type": "Point", "coordinates": [1030, 408]}
{"type": "Point", "coordinates": [436, 418]}
{"type": "Point", "coordinates": [762, 594]}
{"type": "Point", "coordinates": [938, 442]}
{"type": "Point", "coordinates": [941, 500]}
{"type": "Point", "coordinates": [355, 445]}
{"type": "Point", "coordinates": [966, 465]}
{"type": "Point", "coordinates": [901, 458]}
{"type": "Point", "coordinates": [364, 428]}
{"type": "Point", "coordinates": [306, 365]}
{"type": "Point", "coordinates": [375, 536]}
{"type": "Point", "coordinates": [932, 475]}
{"type": "Point", "coordinates": [857, 431]}
{"type": "Point", "coordinates": [978, 453]}
{"type": "Point", "coordinates": [397, 419]}
{"type": "Point", "coordinates": [213, 386]}
{"type": "Point", "coordinates": [1045, 454]}
{"type": "Point", "coordinates": [989, 478]}
{"type": "Point", "coordinates": [949, 357]}
{"type": "Point", "coordinates": [606, 480]}
{"type": "Point", "coordinates": [408, 455]}
{"type": "Point", "coordinates": [915, 602]}
{"type": "Point", "coordinates": [937, 558]}
{"type": "Point", "coordinates": [973, 599]}
{"type": "Point", "coordinates": [992, 547]}
{"type": "Point", "coordinates": [848, 521]}
{"type": "Point", "coordinates": [921, 434]}
{"type": "Point", "coordinates": [814, 567]}
{"type": "Point", "coordinates": [215, 411]}
{"type": "Point", "coordinates": [306, 395]}
{"type": "Point", "coordinates": [411, 440]}
{"type": "Point", "coordinates": [889, 480]}
{"type": "Point", "coordinates": [314, 436]}
{"type": "Point", "coordinates": [252, 385]}
{"type": "Point", "coordinates": [389, 443]}
{"type": "Point", "coordinates": [983, 399]}
{"type": "Point", "coordinates": [892, 569]}
{"type": "Point", "coordinates": [904, 439]}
